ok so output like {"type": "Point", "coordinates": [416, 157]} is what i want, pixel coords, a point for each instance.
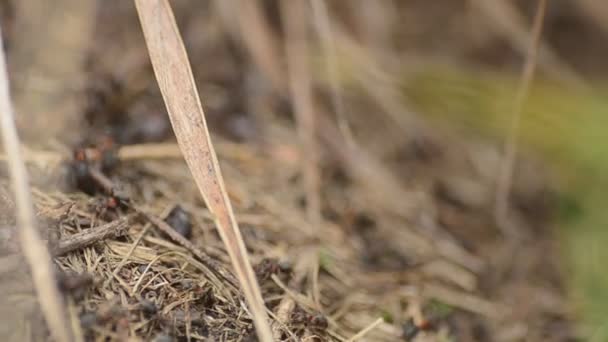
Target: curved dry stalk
{"type": "Point", "coordinates": [504, 19]}
{"type": "Point", "coordinates": [33, 247]}
{"type": "Point", "coordinates": [366, 330]}
{"type": "Point", "coordinates": [176, 82]}
{"type": "Point", "coordinates": [505, 177]}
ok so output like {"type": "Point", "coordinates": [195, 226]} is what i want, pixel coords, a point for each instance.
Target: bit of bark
{"type": "Point", "coordinates": [91, 236]}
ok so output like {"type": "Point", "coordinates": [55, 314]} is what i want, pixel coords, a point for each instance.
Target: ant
{"type": "Point", "coordinates": [411, 328]}
{"type": "Point", "coordinates": [108, 207]}
{"type": "Point", "coordinates": [268, 266]}
{"type": "Point", "coordinates": [314, 321]}
{"type": "Point", "coordinates": [99, 156]}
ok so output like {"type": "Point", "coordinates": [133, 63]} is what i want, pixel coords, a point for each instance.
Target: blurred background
{"type": "Point", "coordinates": [434, 181]}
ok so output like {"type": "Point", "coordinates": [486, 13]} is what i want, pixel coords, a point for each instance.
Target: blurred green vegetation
{"type": "Point", "coordinates": [569, 128]}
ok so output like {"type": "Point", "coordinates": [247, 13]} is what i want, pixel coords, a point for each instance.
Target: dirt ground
{"type": "Point", "coordinates": [405, 242]}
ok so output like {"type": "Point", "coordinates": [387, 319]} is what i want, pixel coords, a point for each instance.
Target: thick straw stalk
{"type": "Point", "coordinates": [176, 82]}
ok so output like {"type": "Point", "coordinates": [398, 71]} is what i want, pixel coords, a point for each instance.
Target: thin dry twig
{"type": "Point", "coordinates": [300, 86]}
{"type": "Point", "coordinates": [366, 330]}
{"type": "Point", "coordinates": [504, 19]}
{"type": "Point", "coordinates": [33, 247]}
{"type": "Point", "coordinates": [464, 301]}
{"type": "Point", "coordinates": [46, 158]}
{"type": "Point", "coordinates": [90, 236]}
{"type": "Point", "coordinates": [176, 82]}
{"type": "Point", "coordinates": [506, 170]}
{"type": "Point", "coordinates": [149, 151]}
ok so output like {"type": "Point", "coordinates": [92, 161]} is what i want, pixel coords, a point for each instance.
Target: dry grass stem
{"type": "Point", "coordinates": [366, 330]}
{"type": "Point", "coordinates": [464, 301]}
{"type": "Point", "coordinates": [149, 151]}
{"type": "Point", "coordinates": [287, 305]}
{"type": "Point", "coordinates": [175, 79]}
{"type": "Point", "coordinates": [505, 20]}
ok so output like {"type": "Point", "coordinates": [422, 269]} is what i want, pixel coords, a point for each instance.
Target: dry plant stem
{"type": "Point", "coordinates": [287, 304]}
{"type": "Point", "coordinates": [90, 236]}
{"type": "Point", "coordinates": [506, 170]}
{"type": "Point", "coordinates": [176, 82]}
{"type": "Point", "coordinates": [202, 256]}
{"type": "Point", "coordinates": [366, 330]}
{"type": "Point", "coordinates": [504, 19]}
{"type": "Point", "coordinates": [127, 152]}
{"type": "Point", "coordinates": [149, 151]}
{"type": "Point", "coordinates": [323, 27]}
{"type": "Point", "coordinates": [33, 247]}
{"type": "Point", "coordinates": [300, 86]}
{"type": "Point", "coordinates": [75, 321]}
{"type": "Point", "coordinates": [464, 301]}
